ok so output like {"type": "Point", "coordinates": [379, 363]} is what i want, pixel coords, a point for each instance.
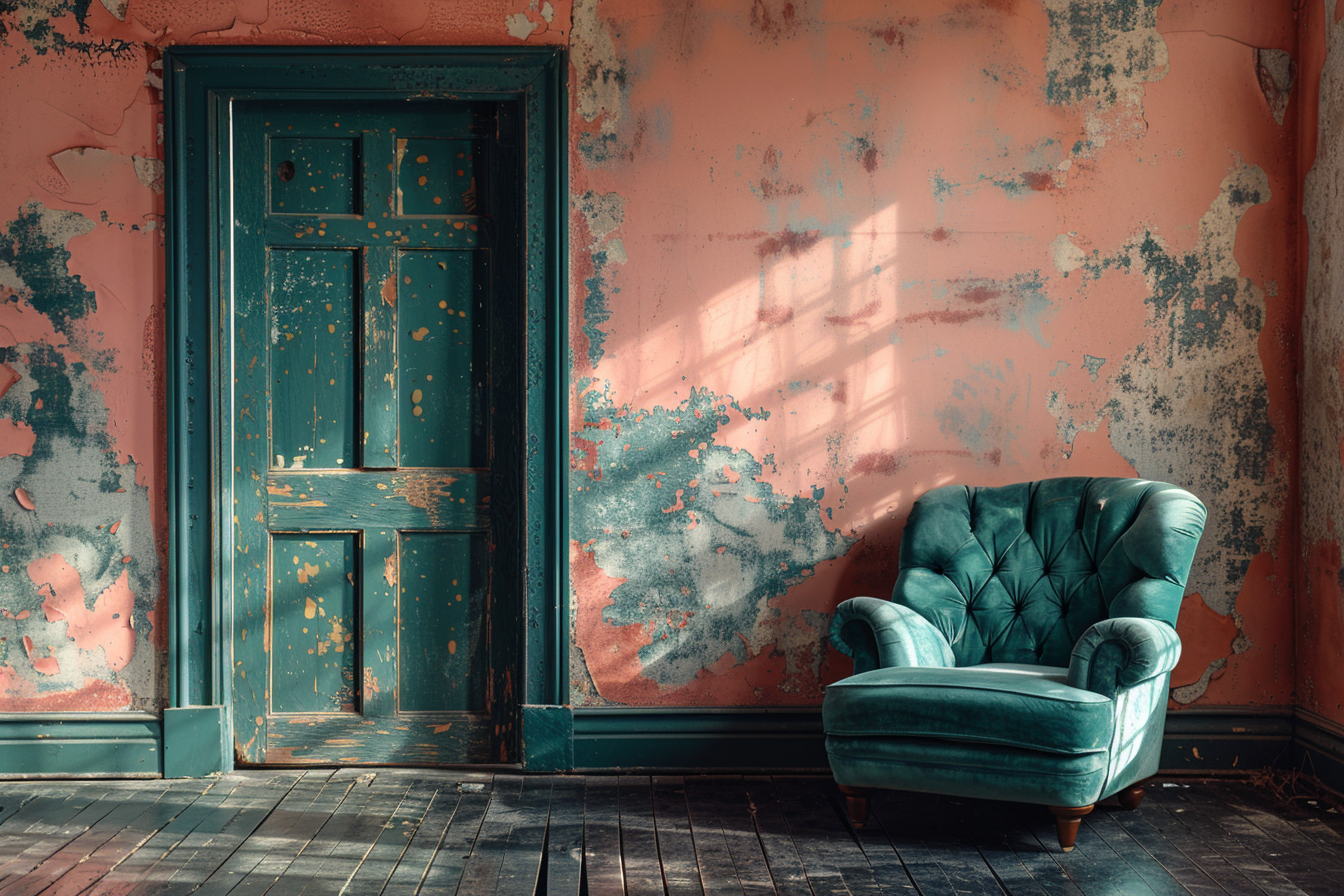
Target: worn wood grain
{"type": "Point", "coordinates": [404, 832]}
{"type": "Point", "coordinates": [676, 848]}
{"type": "Point", "coordinates": [445, 872]}
{"type": "Point", "coordinates": [602, 838]}
{"type": "Point", "coordinates": [520, 869]}
{"type": "Point", "coordinates": [639, 838]}
{"type": "Point", "coordinates": [411, 869]}
{"type": "Point", "coordinates": [564, 838]}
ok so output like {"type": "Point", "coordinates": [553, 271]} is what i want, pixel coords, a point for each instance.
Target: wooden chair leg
{"type": "Point", "coordinates": [856, 803]}
{"type": "Point", "coordinates": [1067, 819]}
{"type": "Point", "coordinates": [1130, 797]}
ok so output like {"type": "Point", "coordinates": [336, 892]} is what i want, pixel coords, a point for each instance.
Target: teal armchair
{"type": "Point", "coordinates": [1025, 652]}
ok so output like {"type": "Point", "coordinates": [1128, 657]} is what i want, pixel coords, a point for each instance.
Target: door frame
{"type": "Point", "coordinates": [199, 83]}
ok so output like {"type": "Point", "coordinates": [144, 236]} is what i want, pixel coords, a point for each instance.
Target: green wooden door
{"type": "Point", "coordinates": [375, 459]}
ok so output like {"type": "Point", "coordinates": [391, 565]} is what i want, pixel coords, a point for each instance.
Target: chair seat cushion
{"type": "Point", "coordinates": [997, 703]}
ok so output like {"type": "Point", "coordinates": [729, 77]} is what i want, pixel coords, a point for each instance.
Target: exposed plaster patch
{"type": "Point", "coordinates": [1102, 51]}
{"type": "Point", "coordinates": [149, 172]}
{"type": "Point", "coordinates": [600, 72]}
{"type": "Point", "coordinates": [1065, 255]}
{"type": "Point", "coordinates": [1099, 55]}
{"type": "Point", "coordinates": [1191, 692]}
{"type": "Point", "coordinates": [1322, 398]}
{"type": "Point", "coordinates": [1323, 314]}
{"type": "Point", "coordinates": [603, 214]}
{"type": "Point", "coordinates": [1190, 405]}
{"type": "Point", "coordinates": [520, 26]}
{"type": "Point", "coordinates": [117, 8]}
{"type": "Point", "coordinates": [1276, 72]}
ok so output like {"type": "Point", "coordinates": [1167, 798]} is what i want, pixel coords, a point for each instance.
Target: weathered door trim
{"type": "Point", "coordinates": [200, 82]}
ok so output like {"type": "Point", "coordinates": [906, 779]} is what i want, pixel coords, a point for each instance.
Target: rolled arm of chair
{"type": "Point", "coordinates": [1120, 652]}
{"type": "Point", "coordinates": [878, 633]}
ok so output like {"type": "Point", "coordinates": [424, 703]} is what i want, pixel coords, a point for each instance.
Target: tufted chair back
{"type": "Point", "coordinates": [1017, 573]}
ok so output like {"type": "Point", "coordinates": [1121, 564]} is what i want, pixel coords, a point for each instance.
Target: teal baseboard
{"type": "Point", "coordinates": [80, 745]}
{"type": "Point", "coordinates": [1227, 739]}
{"type": "Point", "coordinates": [1318, 749]}
{"type": "Point", "coordinates": [194, 739]}
{"type": "Point", "coordinates": [1197, 741]}
{"type": "Point", "coordinates": [695, 740]}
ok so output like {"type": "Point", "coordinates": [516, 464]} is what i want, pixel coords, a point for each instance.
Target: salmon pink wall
{"type": "Point", "coordinates": [825, 256]}
{"type": "Point", "coordinates": [831, 255]}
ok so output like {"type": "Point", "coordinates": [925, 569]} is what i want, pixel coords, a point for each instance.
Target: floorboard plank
{"type": "Point", "coordinates": [676, 847]}
{"type": "Point", "coordinates": [520, 871]}
{"type": "Point", "coordinates": [481, 874]}
{"type": "Point", "coordinates": [386, 792]}
{"type": "Point", "coordinates": [639, 840]}
{"type": "Point", "coordinates": [414, 865]}
{"type": "Point", "coordinates": [832, 859]}
{"type": "Point", "coordinates": [1308, 858]}
{"type": "Point", "coordinates": [892, 814]}
{"type": "Point", "coordinates": [145, 868]}
{"type": "Point", "coordinates": [15, 796]}
{"type": "Point", "coordinates": [269, 835]}
{"type": "Point", "coordinates": [786, 866]}
{"type": "Point", "coordinates": [712, 856]}
{"type": "Point", "coordinates": [130, 804]}
{"type": "Point", "coordinates": [1255, 853]}
{"type": "Point", "coordinates": [950, 847]}
{"type": "Point", "coordinates": [602, 838]}
{"type": "Point", "coordinates": [394, 837]}
{"type": "Point", "coordinates": [82, 808]}
{"type": "Point", "coordinates": [986, 826]}
{"type": "Point", "coordinates": [564, 838]}
{"type": "Point", "coordinates": [1159, 814]}
{"type": "Point", "coordinates": [175, 798]}
{"type": "Point", "coordinates": [302, 873]}
{"type": "Point", "coordinates": [736, 815]}
{"type": "Point", "coordinates": [217, 838]}
{"type": "Point", "coordinates": [1094, 865]}
{"type": "Point", "coordinates": [286, 845]}
{"type": "Point", "coordinates": [1139, 826]}
{"type": "Point", "coordinates": [1287, 820]}
{"type": "Point", "coordinates": [1163, 867]}
{"type": "Point", "coordinates": [445, 871]}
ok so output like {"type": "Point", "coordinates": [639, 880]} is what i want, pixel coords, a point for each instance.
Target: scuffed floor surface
{"type": "Point", "coordinates": [402, 832]}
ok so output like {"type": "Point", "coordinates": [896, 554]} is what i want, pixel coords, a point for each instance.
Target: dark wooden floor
{"type": "Point", "coordinates": [403, 832]}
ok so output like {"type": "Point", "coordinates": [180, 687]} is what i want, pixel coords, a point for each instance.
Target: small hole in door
{"type": "Point", "coordinates": [285, 171]}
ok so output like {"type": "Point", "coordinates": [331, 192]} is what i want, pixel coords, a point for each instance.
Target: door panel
{"type": "Point", "coordinates": [373, 372]}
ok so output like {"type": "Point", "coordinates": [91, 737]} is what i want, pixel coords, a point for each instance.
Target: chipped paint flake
{"type": "Point", "coordinates": [1190, 405]}
{"type": "Point", "coordinates": [520, 26]}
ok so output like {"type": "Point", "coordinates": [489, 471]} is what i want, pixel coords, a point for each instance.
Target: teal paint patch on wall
{"type": "Point", "coordinates": [703, 543]}
{"type": "Point", "coordinates": [1100, 50]}
{"type": "Point", "coordinates": [79, 565]}
{"type": "Point", "coordinates": [34, 248]}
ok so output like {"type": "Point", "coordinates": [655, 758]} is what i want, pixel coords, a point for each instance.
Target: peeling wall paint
{"type": "Point", "coordinates": [1320, 609]}
{"type": "Point", "coordinates": [825, 256]}
{"type": "Point", "coordinates": [978, 242]}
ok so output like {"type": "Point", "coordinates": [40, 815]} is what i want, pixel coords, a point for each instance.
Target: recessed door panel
{"type": "Point", "coordinates": [444, 358]}
{"type": "Point", "coordinates": [313, 620]}
{"type": "Point", "coordinates": [445, 586]}
{"type": "Point", "coordinates": [313, 400]}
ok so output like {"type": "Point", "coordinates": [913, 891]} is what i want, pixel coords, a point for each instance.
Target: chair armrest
{"type": "Point", "coordinates": [878, 633]}
{"type": "Point", "coordinates": [1121, 652]}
